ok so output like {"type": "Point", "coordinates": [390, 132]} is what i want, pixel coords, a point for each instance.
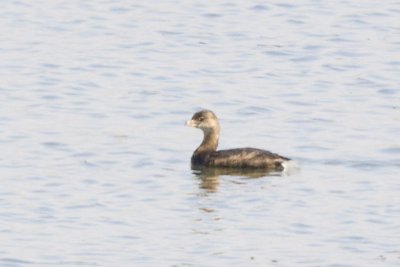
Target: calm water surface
{"type": "Point", "coordinates": [94, 157]}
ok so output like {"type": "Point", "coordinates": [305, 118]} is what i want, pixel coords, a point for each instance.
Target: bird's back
{"type": "Point", "coordinates": [246, 158]}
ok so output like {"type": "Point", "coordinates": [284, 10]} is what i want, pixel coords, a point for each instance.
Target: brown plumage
{"type": "Point", "coordinates": [206, 155]}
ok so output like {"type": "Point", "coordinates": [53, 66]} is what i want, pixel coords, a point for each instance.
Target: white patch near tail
{"type": "Point", "coordinates": [290, 167]}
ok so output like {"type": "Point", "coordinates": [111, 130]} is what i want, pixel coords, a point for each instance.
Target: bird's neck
{"type": "Point", "coordinates": [210, 141]}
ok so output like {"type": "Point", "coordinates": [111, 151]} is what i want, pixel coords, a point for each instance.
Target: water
{"type": "Point", "coordinates": [95, 158]}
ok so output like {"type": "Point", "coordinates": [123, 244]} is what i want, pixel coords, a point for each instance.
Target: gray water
{"type": "Point", "coordinates": [94, 157]}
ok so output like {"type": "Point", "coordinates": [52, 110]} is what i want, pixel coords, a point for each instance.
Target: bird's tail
{"type": "Point", "coordinates": [290, 167]}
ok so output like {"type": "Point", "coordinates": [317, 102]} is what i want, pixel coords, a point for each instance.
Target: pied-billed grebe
{"type": "Point", "coordinates": [206, 155]}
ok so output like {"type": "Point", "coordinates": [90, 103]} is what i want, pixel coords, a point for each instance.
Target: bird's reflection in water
{"type": "Point", "coordinates": [209, 177]}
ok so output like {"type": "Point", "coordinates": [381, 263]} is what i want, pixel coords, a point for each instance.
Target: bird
{"type": "Point", "coordinates": [207, 155]}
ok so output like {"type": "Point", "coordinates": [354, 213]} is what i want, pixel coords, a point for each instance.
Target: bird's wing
{"type": "Point", "coordinates": [246, 157]}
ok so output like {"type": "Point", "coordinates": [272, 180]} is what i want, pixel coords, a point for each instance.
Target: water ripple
{"type": "Point", "coordinates": [96, 163]}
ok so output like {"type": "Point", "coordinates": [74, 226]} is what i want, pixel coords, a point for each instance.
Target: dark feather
{"type": "Point", "coordinates": [246, 158]}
